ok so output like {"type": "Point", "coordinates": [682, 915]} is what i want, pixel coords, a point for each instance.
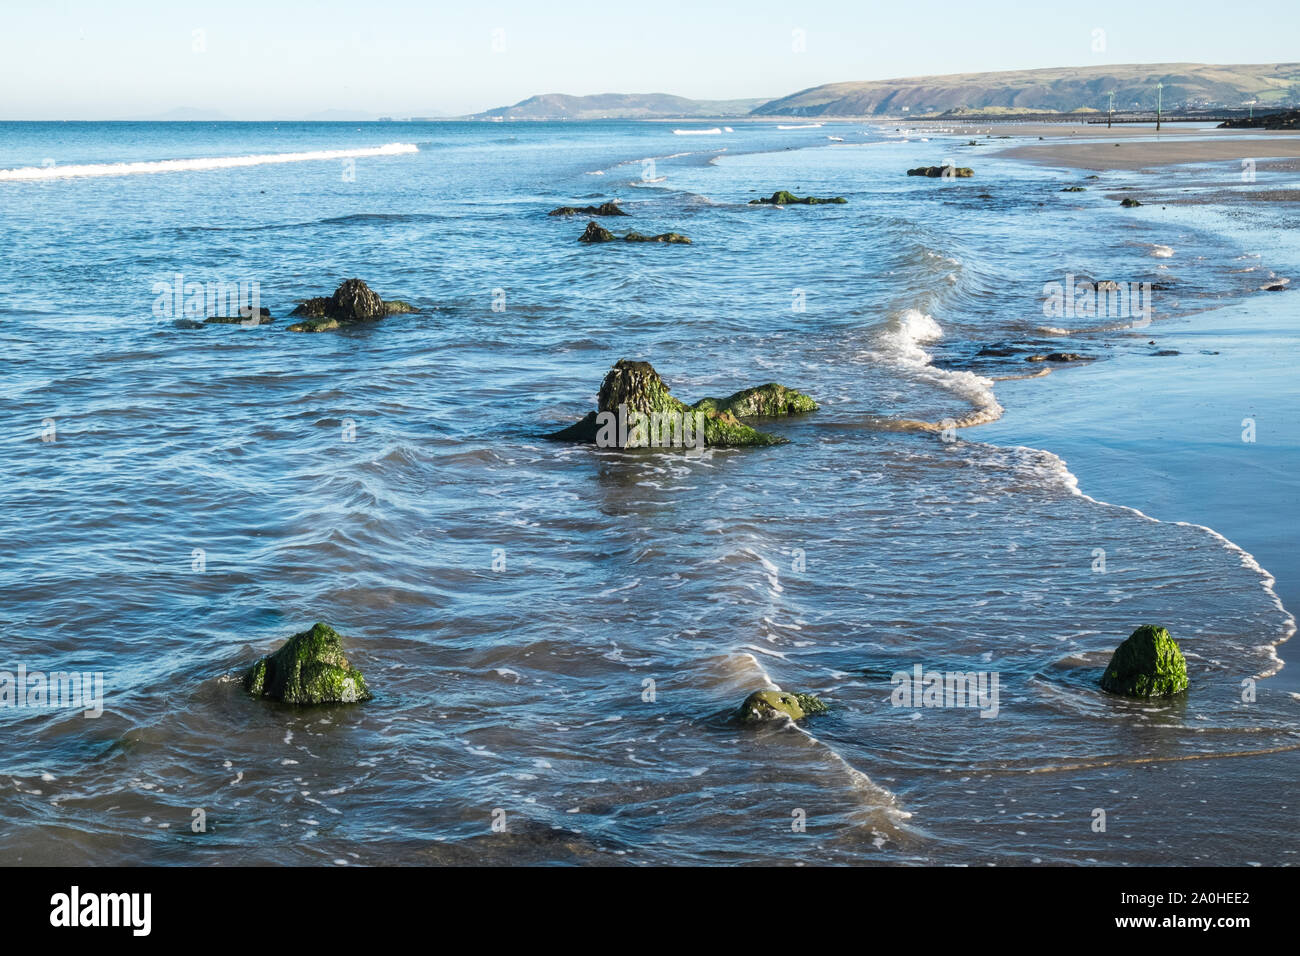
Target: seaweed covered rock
{"type": "Point", "coordinates": [353, 301]}
{"type": "Point", "coordinates": [1075, 189]}
{"type": "Point", "coordinates": [598, 233]}
{"type": "Point", "coordinates": [661, 237]}
{"type": "Point", "coordinates": [309, 669]}
{"type": "Point", "coordinates": [1147, 664]}
{"type": "Point", "coordinates": [763, 705]}
{"type": "Point", "coordinates": [263, 317]}
{"type": "Point", "coordinates": [634, 409]}
{"type": "Point", "coordinates": [1128, 202]}
{"type": "Point", "coordinates": [764, 401]}
{"type": "Point", "coordinates": [944, 172]}
{"type": "Point", "coordinates": [604, 209]}
{"type": "Point", "coordinates": [783, 198]}
{"type": "Point", "coordinates": [1058, 357]}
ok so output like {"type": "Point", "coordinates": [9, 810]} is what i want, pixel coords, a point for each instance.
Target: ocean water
{"type": "Point", "coordinates": [557, 635]}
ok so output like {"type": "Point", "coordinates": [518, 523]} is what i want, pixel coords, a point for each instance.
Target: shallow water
{"type": "Point", "coordinates": [508, 598]}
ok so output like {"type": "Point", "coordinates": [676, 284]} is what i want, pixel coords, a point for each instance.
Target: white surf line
{"type": "Point", "coordinates": [37, 173]}
{"type": "Point", "coordinates": [885, 802]}
{"type": "Point", "coordinates": [1248, 560]}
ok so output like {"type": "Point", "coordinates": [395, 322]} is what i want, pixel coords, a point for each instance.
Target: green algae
{"type": "Point", "coordinates": [783, 198]}
{"type": "Point", "coordinates": [604, 209]}
{"type": "Point", "coordinates": [1147, 664]}
{"type": "Point", "coordinates": [635, 391]}
{"type": "Point", "coordinates": [315, 325]}
{"type": "Point", "coordinates": [308, 669]}
{"type": "Point", "coordinates": [942, 172]}
{"type": "Point", "coordinates": [353, 302]}
{"type": "Point", "coordinates": [595, 232]}
{"type": "Point", "coordinates": [764, 705]}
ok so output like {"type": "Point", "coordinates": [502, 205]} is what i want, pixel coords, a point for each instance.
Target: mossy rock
{"type": "Point", "coordinates": [312, 308]}
{"type": "Point", "coordinates": [1147, 664]}
{"type": "Point", "coordinates": [764, 705]}
{"type": "Point", "coordinates": [595, 232]}
{"type": "Point", "coordinates": [643, 396]}
{"type": "Point", "coordinates": [315, 325]}
{"type": "Point", "coordinates": [1075, 189]}
{"type": "Point", "coordinates": [942, 172]}
{"type": "Point", "coordinates": [765, 401]}
{"type": "Point", "coordinates": [1129, 202]}
{"type": "Point", "coordinates": [309, 669]}
{"type": "Point", "coordinates": [604, 209]}
{"type": "Point", "coordinates": [249, 321]}
{"type": "Point", "coordinates": [352, 302]}
{"type": "Point", "coordinates": [783, 198]}
{"type": "Point", "coordinates": [675, 237]}
{"type": "Point", "coordinates": [1058, 357]}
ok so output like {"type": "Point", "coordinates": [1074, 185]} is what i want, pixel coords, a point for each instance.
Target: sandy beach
{"type": "Point", "coordinates": [1223, 361]}
{"type": "Point", "coordinates": [1097, 148]}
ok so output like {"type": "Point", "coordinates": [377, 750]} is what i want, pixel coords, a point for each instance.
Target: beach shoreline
{"type": "Point", "coordinates": [1178, 450]}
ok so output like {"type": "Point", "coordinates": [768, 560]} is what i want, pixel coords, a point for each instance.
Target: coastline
{"type": "Point", "coordinates": [1176, 449]}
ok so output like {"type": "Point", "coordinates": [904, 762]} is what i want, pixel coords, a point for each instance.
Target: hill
{"type": "Point", "coordinates": [1056, 90]}
{"type": "Point", "coordinates": [560, 106]}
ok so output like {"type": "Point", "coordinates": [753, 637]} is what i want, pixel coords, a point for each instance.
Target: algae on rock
{"type": "Point", "coordinates": [308, 669]}
{"type": "Point", "coordinates": [595, 232]}
{"type": "Point", "coordinates": [635, 409]}
{"type": "Point", "coordinates": [352, 302]}
{"type": "Point", "coordinates": [604, 209]}
{"type": "Point", "coordinates": [1147, 664]}
{"type": "Point", "coordinates": [765, 705]}
{"type": "Point", "coordinates": [783, 198]}
{"type": "Point", "coordinates": [942, 172]}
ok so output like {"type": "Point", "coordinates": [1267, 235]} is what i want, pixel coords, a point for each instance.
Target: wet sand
{"type": "Point", "coordinates": [1099, 149]}
{"type": "Point", "coordinates": [1174, 448]}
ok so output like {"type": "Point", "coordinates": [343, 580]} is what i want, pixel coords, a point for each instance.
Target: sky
{"type": "Point", "coordinates": [265, 59]}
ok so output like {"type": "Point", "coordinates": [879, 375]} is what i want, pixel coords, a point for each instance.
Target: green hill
{"type": "Point", "coordinates": [1053, 90]}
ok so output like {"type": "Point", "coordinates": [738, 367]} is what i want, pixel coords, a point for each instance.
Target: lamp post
{"type": "Point", "coordinates": [1159, 103]}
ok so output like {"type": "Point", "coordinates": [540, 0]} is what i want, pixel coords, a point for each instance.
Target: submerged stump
{"type": "Point", "coordinates": [783, 198]}
{"type": "Point", "coordinates": [763, 705]}
{"type": "Point", "coordinates": [635, 409]}
{"type": "Point", "coordinates": [309, 669]}
{"type": "Point", "coordinates": [352, 302]}
{"type": "Point", "coordinates": [1147, 664]}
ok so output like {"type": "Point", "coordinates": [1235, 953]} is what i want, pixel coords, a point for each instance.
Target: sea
{"type": "Point", "coordinates": [558, 636]}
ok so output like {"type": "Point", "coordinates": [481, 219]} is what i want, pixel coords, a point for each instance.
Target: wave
{"type": "Point", "coordinates": [716, 131]}
{"type": "Point", "coordinates": [40, 173]}
{"type": "Point", "coordinates": [1052, 467]}
{"type": "Point", "coordinates": [899, 341]}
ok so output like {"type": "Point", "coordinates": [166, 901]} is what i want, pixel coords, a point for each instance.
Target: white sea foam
{"type": "Point", "coordinates": [900, 339]}
{"type": "Point", "coordinates": [1053, 468]}
{"type": "Point", "coordinates": [36, 173]}
{"type": "Point", "coordinates": [1162, 252]}
{"type": "Point", "coordinates": [716, 131]}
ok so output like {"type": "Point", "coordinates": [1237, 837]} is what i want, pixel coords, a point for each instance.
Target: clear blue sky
{"type": "Point", "coordinates": [261, 59]}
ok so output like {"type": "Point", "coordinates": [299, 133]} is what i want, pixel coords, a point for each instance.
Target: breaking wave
{"type": "Point", "coordinates": [38, 173]}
